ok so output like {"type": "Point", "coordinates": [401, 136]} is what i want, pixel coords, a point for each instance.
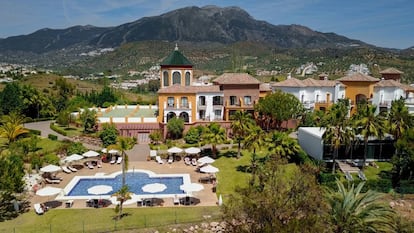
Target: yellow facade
{"type": "Point", "coordinates": [163, 107]}
{"type": "Point", "coordinates": [355, 89]}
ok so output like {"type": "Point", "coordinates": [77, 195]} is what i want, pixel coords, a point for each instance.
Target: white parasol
{"type": "Point", "coordinates": [175, 150]}
{"type": "Point", "coordinates": [191, 187]}
{"type": "Point", "coordinates": [99, 189]}
{"type": "Point", "coordinates": [205, 160]}
{"type": "Point", "coordinates": [90, 153]}
{"type": "Point", "coordinates": [154, 188]}
{"type": "Point", "coordinates": [50, 168]}
{"type": "Point", "coordinates": [192, 150]}
{"type": "Point", "coordinates": [209, 169]}
{"type": "Point", "coordinates": [133, 200]}
{"type": "Point", "coordinates": [74, 157]}
{"type": "Point", "coordinates": [48, 191]}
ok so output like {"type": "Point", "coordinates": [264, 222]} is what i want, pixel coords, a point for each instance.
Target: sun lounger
{"type": "Point", "coordinates": [90, 166]}
{"type": "Point", "coordinates": [113, 161]}
{"type": "Point", "coordinates": [170, 159]}
{"type": "Point", "coordinates": [194, 162]}
{"type": "Point", "coordinates": [187, 161]}
{"type": "Point", "coordinates": [362, 176]}
{"type": "Point", "coordinates": [159, 160]}
{"type": "Point", "coordinates": [119, 160]}
{"type": "Point", "coordinates": [50, 181]}
{"type": "Point", "coordinates": [99, 164]}
{"type": "Point", "coordinates": [66, 170]}
{"type": "Point", "coordinates": [72, 169]}
{"type": "Point", "coordinates": [176, 200]}
{"type": "Point", "coordinates": [348, 176]}
{"type": "Point", "coordinates": [38, 209]}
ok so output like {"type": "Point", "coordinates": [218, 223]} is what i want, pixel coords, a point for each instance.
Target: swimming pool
{"type": "Point", "coordinates": [135, 179]}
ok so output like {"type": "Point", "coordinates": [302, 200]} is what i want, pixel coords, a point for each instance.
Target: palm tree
{"type": "Point", "coordinates": [122, 195]}
{"type": "Point", "coordinates": [337, 129]}
{"type": "Point", "coordinates": [214, 135]}
{"type": "Point", "coordinates": [353, 211]}
{"type": "Point", "coordinates": [255, 139]}
{"type": "Point", "coordinates": [12, 127]}
{"type": "Point", "coordinates": [281, 144]}
{"type": "Point", "coordinates": [368, 124]}
{"type": "Point", "coordinates": [123, 144]}
{"type": "Point", "coordinates": [240, 126]}
{"type": "Point", "coordinates": [399, 121]}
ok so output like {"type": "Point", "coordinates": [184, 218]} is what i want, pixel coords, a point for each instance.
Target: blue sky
{"type": "Point", "coordinates": [385, 23]}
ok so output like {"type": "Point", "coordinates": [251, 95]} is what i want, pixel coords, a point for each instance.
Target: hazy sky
{"type": "Point", "coordinates": [385, 23]}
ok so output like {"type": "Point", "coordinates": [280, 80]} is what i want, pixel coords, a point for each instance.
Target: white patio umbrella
{"type": "Point", "coordinates": [191, 187]}
{"type": "Point", "coordinates": [48, 191]}
{"type": "Point", "coordinates": [104, 150]}
{"type": "Point", "coordinates": [100, 189]}
{"type": "Point", "coordinates": [90, 153]}
{"type": "Point", "coordinates": [209, 169]}
{"type": "Point", "coordinates": [50, 168]}
{"type": "Point", "coordinates": [133, 200]}
{"type": "Point", "coordinates": [154, 188]}
{"type": "Point", "coordinates": [113, 152]}
{"type": "Point", "coordinates": [74, 157]}
{"type": "Point", "coordinates": [192, 150]}
{"type": "Point", "coordinates": [220, 200]}
{"type": "Point", "coordinates": [205, 160]}
{"type": "Point", "coordinates": [175, 150]}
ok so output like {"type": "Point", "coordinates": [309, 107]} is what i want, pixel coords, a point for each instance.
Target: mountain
{"type": "Point", "coordinates": [46, 40]}
{"type": "Point", "coordinates": [191, 24]}
{"type": "Point", "coordinates": [215, 24]}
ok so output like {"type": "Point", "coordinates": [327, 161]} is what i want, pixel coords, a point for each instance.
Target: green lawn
{"type": "Point", "coordinates": [101, 220]}
{"type": "Point", "coordinates": [71, 130]}
{"type": "Point", "coordinates": [48, 146]}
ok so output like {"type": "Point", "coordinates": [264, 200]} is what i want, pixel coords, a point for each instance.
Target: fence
{"type": "Point", "coordinates": [132, 220]}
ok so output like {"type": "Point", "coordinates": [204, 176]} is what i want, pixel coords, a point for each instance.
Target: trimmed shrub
{"type": "Point", "coordinates": [35, 132]}
{"type": "Point", "coordinates": [52, 137]}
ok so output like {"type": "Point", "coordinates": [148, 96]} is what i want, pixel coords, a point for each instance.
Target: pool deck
{"type": "Point", "coordinates": [207, 197]}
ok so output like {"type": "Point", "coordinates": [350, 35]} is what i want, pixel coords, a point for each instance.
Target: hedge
{"type": "Point", "coordinates": [52, 137]}
{"type": "Point", "coordinates": [57, 129]}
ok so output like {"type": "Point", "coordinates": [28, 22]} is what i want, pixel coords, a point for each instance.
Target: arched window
{"type": "Point", "coordinates": [176, 78]}
{"type": "Point", "coordinates": [170, 115]}
{"type": "Point", "coordinates": [165, 78]}
{"type": "Point", "coordinates": [185, 117]}
{"type": "Point", "coordinates": [187, 78]}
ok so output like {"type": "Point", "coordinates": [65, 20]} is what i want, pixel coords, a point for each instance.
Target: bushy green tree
{"type": "Point", "coordinates": [282, 199]}
{"type": "Point", "coordinates": [11, 173]}
{"type": "Point", "coordinates": [277, 108]}
{"type": "Point", "coordinates": [175, 127]}
{"type": "Point", "coordinates": [89, 121]}
{"type": "Point", "coordinates": [108, 134]}
{"type": "Point", "coordinates": [193, 135]}
{"type": "Point", "coordinates": [241, 125]}
{"type": "Point", "coordinates": [10, 98]}
{"type": "Point", "coordinates": [75, 148]}
{"type": "Point", "coordinates": [156, 137]}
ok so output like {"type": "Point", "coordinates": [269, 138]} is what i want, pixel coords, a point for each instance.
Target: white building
{"type": "Point", "coordinates": [312, 93]}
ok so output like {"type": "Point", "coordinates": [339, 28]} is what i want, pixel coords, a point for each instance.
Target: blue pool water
{"type": "Point", "coordinates": [134, 180]}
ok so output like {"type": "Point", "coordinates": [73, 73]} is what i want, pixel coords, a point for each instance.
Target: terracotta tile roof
{"type": "Point", "coordinates": [236, 78]}
{"type": "Point", "coordinates": [358, 77]}
{"type": "Point", "coordinates": [290, 82]}
{"type": "Point", "coordinates": [319, 83]}
{"type": "Point", "coordinates": [189, 89]}
{"type": "Point", "coordinates": [265, 87]}
{"type": "Point", "coordinates": [391, 71]}
{"type": "Point", "coordinates": [393, 83]}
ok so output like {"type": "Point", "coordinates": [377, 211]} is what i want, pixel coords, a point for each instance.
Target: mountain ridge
{"type": "Point", "coordinates": [193, 24]}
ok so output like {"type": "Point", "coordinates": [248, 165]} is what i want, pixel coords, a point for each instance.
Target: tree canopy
{"type": "Point", "coordinates": [277, 108]}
